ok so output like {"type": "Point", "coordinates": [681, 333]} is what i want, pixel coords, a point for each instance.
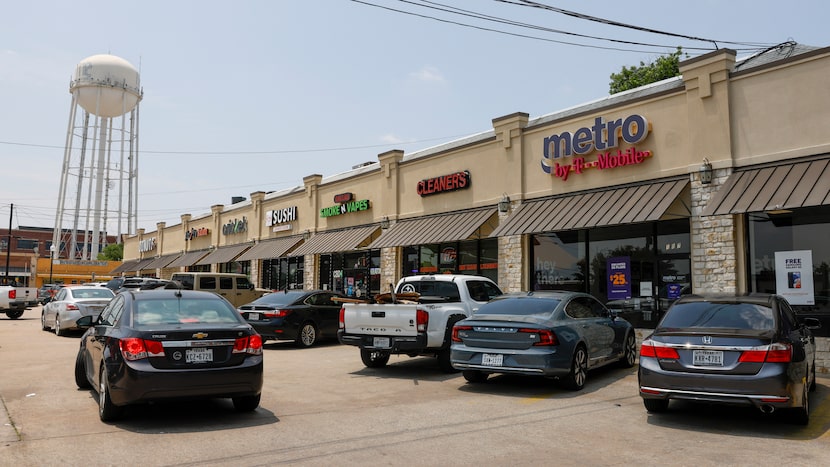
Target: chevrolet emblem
{"type": "Point", "coordinates": [200, 335]}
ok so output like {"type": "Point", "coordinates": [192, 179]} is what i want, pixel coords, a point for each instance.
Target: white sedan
{"type": "Point", "coordinates": [70, 304]}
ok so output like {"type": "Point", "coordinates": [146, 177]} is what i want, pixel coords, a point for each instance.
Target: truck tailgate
{"type": "Point", "coordinates": [380, 320]}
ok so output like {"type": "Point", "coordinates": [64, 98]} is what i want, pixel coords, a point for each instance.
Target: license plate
{"type": "Point", "coordinates": [381, 342]}
{"type": "Point", "coordinates": [707, 358]}
{"type": "Point", "coordinates": [253, 316]}
{"type": "Point", "coordinates": [199, 355]}
{"type": "Point", "coordinates": [492, 359]}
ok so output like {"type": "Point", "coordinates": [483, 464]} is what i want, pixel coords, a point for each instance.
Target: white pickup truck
{"type": "Point", "coordinates": [414, 328]}
{"type": "Point", "coordinates": [15, 300]}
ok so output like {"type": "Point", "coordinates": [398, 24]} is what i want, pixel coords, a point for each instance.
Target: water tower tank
{"type": "Point", "coordinates": [106, 85]}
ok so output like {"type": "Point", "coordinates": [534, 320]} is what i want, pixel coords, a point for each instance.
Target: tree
{"type": "Point", "coordinates": [663, 67]}
{"type": "Point", "coordinates": [112, 252]}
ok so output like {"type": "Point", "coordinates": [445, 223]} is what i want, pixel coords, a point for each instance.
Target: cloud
{"type": "Point", "coordinates": [428, 74]}
{"type": "Point", "coordinates": [391, 139]}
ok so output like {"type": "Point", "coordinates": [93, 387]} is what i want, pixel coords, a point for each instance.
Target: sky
{"type": "Point", "coordinates": [253, 95]}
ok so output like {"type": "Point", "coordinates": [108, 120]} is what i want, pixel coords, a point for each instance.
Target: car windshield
{"type": "Point", "coordinates": [154, 311]}
{"type": "Point", "coordinates": [278, 298]}
{"type": "Point", "coordinates": [719, 315]}
{"type": "Point", "coordinates": [519, 306]}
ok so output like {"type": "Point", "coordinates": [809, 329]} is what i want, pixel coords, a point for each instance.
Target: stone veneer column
{"type": "Point", "coordinates": [714, 240]}
{"type": "Point", "coordinates": [511, 265]}
{"type": "Point", "coordinates": [310, 272]}
{"type": "Point", "coordinates": [389, 267]}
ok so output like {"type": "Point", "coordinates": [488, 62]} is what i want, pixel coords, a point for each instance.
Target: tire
{"type": "Point", "coordinates": [307, 335]}
{"type": "Point", "coordinates": [575, 380]}
{"type": "Point", "coordinates": [656, 405]}
{"type": "Point", "coordinates": [14, 314]}
{"type": "Point", "coordinates": [629, 352]}
{"type": "Point", "coordinates": [374, 358]}
{"type": "Point", "coordinates": [475, 376]}
{"type": "Point", "coordinates": [107, 411]}
{"type": "Point", "coordinates": [801, 415]}
{"type": "Point", "coordinates": [43, 324]}
{"type": "Point", "coordinates": [445, 361]}
{"type": "Point", "coordinates": [80, 372]}
{"type": "Point", "coordinates": [246, 403]}
{"type": "Point", "coordinates": [58, 330]}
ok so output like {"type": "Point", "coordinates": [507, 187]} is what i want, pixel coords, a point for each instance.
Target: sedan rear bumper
{"type": "Point", "coordinates": [549, 363]}
{"type": "Point", "coordinates": [135, 383]}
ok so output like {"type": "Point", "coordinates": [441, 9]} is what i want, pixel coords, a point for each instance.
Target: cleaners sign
{"type": "Point", "coordinates": [602, 137]}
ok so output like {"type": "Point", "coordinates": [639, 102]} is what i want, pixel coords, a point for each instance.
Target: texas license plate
{"type": "Point", "coordinates": [707, 358]}
{"type": "Point", "coordinates": [492, 359]}
{"type": "Point", "coordinates": [253, 316]}
{"type": "Point", "coordinates": [199, 355]}
{"type": "Point", "coordinates": [381, 342]}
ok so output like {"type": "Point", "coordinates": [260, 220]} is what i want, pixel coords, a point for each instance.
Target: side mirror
{"type": "Point", "coordinates": [811, 323]}
{"type": "Point", "coordinates": [85, 321]}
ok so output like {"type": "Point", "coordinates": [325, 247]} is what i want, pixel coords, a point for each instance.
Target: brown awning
{"type": "Point", "coordinates": [272, 248]}
{"type": "Point", "coordinates": [773, 188]}
{"type": "Point", "coordinates": [140, 264]}
{"type": "Point", "coordinates": [161, 261]}
{"type": "Point", "coordinates": [125, 266]}
{"type": "Point", "coordinates": [224, 254]}
{"type": "Point", "coordinates": [339, 240]}
{"type": "Point", "coordinates": [612, 206]}
{"type": "Point", "coordinates": [188, 259]}
{"type": "Point", "coordinates": [436, 229]}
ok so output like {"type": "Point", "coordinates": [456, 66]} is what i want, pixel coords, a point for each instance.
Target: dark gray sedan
{"type": "Point", "coordinates": [737, 350]}
{"type": "Point", "coordinates": [555, 334]}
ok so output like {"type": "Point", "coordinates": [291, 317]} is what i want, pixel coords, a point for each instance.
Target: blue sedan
{"type": "Point", "coordinates": [560, 335]}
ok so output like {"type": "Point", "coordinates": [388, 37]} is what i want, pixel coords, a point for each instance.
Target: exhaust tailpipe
{"type": "Point", "coordinates": [767, 409]}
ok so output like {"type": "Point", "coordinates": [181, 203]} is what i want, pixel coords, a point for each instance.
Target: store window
{"type": "Point", "coordinates": [283, 273]}
{"type": "Point", "coordinates": [236, 267]}
{"type": "Point", "coordinates": [356, 274]}
{"type": "Point", "coordinates": [801, 233]}
{"type": "Point", "coordinates": [475, 257]}
{"type": "Point", "coordinates": [559, 261]}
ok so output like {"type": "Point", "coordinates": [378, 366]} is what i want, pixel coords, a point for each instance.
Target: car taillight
{"type": "Point", "coordinates": [655, 350]}
{"type": "Point", "coordinates": [342, 320]}
{"type": "Point", "coordinates": [422, 320]}
{"type": "Point", "coordinates": [776, 353]}
{"type": "Point", "coordinates": [12, 293]}
{"type": "Point", "coordinates": [546, 337]}
{"type": "Point", "coordinates": [250, 345]}
{"type": "Point", "coordinates": [277, 314]}
{"type": "Point", "coordinates": [456, 330]}
{"type": "Point", "coordinates": [134, 348]}
{"type": "Point", "coordinates": [71, 306]}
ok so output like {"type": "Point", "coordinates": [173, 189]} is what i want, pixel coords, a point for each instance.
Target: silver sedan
{"type": "Point", "coordinates": [70, 304]}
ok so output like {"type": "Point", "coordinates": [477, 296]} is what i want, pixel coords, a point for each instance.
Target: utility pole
{"type": "Point", "coordinates": [8, 246]}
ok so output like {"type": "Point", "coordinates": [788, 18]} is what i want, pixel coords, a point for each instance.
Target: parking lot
{"type": "Point", "coordinates": [321, 406]}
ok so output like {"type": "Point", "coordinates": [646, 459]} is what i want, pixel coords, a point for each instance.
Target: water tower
{"type": "Point", "coordinates": [100, 164]}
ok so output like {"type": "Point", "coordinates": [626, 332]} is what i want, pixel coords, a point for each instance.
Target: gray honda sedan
{"type": "Point", "coordinates": [560, 335]}
{"type": "Point", "coordinates": [750, 350]}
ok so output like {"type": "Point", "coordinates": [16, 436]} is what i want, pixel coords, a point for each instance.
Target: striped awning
{"type": "Point", "coordinates": [339, 240]}
{"type": "Point", "coordinates": [272, 248]}
{"type": "Point", "coordinates": [773, 188]}
{"type": "Point", "coordinates": [436, 229]}
{"type": "Point", "coordinates": [161, 261]}
{"type": "Point", "coordinates": [188, 259]}
{"type": "Point", "coordinates": [612, 206]}
{"type": "Point", "coordinates": [224, 254]}
{"type": "Point", "coordinates": [125, 266]}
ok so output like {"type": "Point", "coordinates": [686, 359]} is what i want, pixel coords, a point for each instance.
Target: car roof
{"type": "Point", "coordinates": [161, 293]}
{"type": "Point", "coordinates": [752, 298]}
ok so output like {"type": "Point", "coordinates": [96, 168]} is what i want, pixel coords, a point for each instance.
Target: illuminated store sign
{"type": "Point", "coordinates": [444, 183]}
{"type": "Point", "coordinates": [345, 208]}
{"type": "Point", "coordinates": [280, 216]}
{"type": "Point", "coordinates": [147, 245]}
{"type": "Point", "coordinates": [235, 226]}
{"type": "Point", "coordinates": [602, 137]}
{"type": "Point", "coordinates": [193, 233]}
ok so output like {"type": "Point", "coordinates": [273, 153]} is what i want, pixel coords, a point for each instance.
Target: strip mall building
{"type": "Point", "coordinates": [716, 180]}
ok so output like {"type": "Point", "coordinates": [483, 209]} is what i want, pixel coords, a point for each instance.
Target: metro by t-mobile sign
{"type": "Point", "coordinates": [603, 137]}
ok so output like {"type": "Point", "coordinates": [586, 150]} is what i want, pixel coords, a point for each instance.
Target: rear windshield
{"type": "Point", "coordinates": [444, 289]}
{"type": "Point", "coordinates": [155, 311]}
{"type": "Point", "coordinates": [524, 306]}
{"type": "Point", "coordinates": [719, 315]}
{"type": "Point", "coordinates": [278, 298]}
